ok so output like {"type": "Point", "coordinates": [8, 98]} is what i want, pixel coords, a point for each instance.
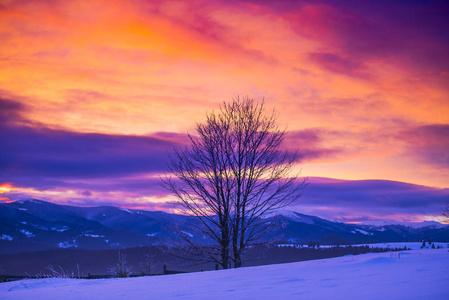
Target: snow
{"type": "Point", "coordinates": [93, 235]}
{"type": "Point", "coordinates": [60, 229]}
{"type": "Point", "coordinates": [393, 245]}
{"type": "Point", "coordinates": [362, 232]}
{"type": "Point", "coordinates": [190, 235]}
{"type": "Point", "coordinates": [25, 201]}
{"type": "Point", "coordinates": [40, 227]}
{"type": "Point", "coordinates": [423, 224]}
{"type": "Point", "coordinates": [299, 246]}
{"type": "Point", "coordinates": [27, 233]}
{"type": "Point", "coordinates": [6, 237]}
{"type": "Point", "coordinates": [415, 274]}
{"type": "Point", "coordinates": [409, 245]}
{"type": "Point", "coordinates": [294, 216]}
{"type": "Point", "coordinates": [67, 244]}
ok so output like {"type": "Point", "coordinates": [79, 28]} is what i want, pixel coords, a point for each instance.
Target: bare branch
{"type": "Point", "coordinates": [235, 172]}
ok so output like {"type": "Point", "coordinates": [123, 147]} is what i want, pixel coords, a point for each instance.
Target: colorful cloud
{"type": "Point", "coordinates": [94, 95]}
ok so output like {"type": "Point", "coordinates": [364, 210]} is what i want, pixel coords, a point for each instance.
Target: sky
{"type": "Point", "coordinates": [94, 95]}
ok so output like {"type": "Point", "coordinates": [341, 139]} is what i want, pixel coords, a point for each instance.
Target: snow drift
{"type": "Point", "coordinates": [416, 274]}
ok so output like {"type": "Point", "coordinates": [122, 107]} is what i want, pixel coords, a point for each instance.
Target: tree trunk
{"type": "Point", "coordinates": [224, 247]}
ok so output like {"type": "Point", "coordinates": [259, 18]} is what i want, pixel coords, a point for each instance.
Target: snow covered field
{"type": "Point", "coordinates": [415, 274]}
{"type": "Point", "coordinates": [392, 245]}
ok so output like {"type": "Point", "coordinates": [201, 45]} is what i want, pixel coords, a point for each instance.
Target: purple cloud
{"type": "Point", "coordinates": [409, 34]}
{"type": "Point", "coordinates": [32, 150]}
{"type": "Point", "coordinates": [308, 144]}
{"type": "Point", "coordinates": [128, 166]}
{"type": "Point", "coordinates": [9, 111]}
{"type": "Point", "coordinates": [429, 143]}
{"type": "Point", "coordinates": [370, 199]}
{"type": "Point", "coordinates": [45, 158]}
{"type": "Point", "coordinates": [338, 64]}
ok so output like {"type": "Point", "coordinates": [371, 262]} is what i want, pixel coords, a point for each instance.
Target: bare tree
{"type": "Point", "coordinates": [233, 174]}
{"type": "Point", "coordinates": [147, 263]}
{"type": "Point", "coordinates": [121, 268]}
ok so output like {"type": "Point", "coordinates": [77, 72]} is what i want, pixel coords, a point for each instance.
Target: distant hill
{"type": "Point", "coordinates": [34, 225]}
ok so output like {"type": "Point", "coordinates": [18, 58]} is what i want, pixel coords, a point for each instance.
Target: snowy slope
{"type": "Point", "coordinates": [416, 274]}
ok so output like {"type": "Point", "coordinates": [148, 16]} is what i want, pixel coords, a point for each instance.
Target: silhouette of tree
{"type": "Point", "coordinates": [234, 172]}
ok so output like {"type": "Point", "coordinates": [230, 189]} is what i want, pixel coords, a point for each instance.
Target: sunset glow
{"type": "Point", "coordinates": [5, 188]}
{"type": "Point", "coordinates": [95, 94]}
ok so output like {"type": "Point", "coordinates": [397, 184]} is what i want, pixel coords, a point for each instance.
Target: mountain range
{"type": "Point", "coordinates": [34, 225]}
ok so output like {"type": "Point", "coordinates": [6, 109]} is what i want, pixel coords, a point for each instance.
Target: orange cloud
{"type": "Point", "coordinates": [5, 188]}
{"type": "Point", "coordinates": [139, 67]}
